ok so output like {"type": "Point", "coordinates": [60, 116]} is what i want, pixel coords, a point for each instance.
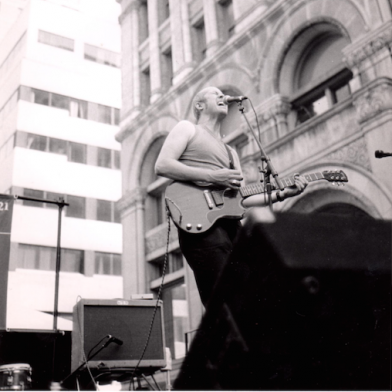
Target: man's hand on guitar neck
{"type": "Point", "coordinates": [300, 184]}
{"type": "Point", "coordinates": [226, 178]}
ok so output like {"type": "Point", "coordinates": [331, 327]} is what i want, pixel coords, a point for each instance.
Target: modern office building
{"type": "Point", "coordinates": [60, 99]}
{"type": "Point", "coordinates": [318, 73]}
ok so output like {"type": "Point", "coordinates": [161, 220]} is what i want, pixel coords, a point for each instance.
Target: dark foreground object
{"type": "Point", "coordinates": [47, 353]}
{"type": "Point", "coordinates": [303, 304]}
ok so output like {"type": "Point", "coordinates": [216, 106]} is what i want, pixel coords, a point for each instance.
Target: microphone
{"type": "Point", "coordinates": [115, 340]}
{"type": "Point", "coordinates": [382, 154]}
{"type": "Point", "coordinates": [227, 99]}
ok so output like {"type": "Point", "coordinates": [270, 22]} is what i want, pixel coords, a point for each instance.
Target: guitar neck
{"type": "Point", "coordinates": [255, 189]}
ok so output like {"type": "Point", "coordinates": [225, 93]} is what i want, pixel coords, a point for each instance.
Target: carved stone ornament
{"type": "Point", "coordinates": [355, 153]}
{"type": "Point", "coordinates": [131, 198]}
{"type": "Point", "coordinates": [373, 101]}
{"type": "Point", "coordinates": [273, 107]}
{"type": "Point", "coordinates": [356, 56]}
{"type": "Point", "coordinates": [158, 240]}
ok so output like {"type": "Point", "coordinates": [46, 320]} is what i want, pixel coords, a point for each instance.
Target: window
{"type": "Point", "coordinates": [76, 208]}
{"type": "Point", "coordinates": [143, 21]}
{"type": "Point", "coordinates": [102, 56]}
{"type": "Point", "coordinates": [76, 107]}
{"type": "Point", "coordinates": [313, 73]}
{"type": "Point", "coordinates": [225, 18]}
{"type": "Point", "coordinates": [55, 40]}
{"type": "Point", "coordinates": [108, 158]}
{"type": "Point", "coordinates": [104, 210]}
{"type": "Point", "coordinates": [72, 260]}
{"type": "Point", "coordinates": [116, 116]}
{"type": "Point", "coordinates": [104, 157]}
{"type": "Point", "coordinates": [117, 160]}
{"type": "Point", "coordinates": [36, 142]}
{"type": "Point", "coordinates": [40, 97]}
{"type": "Point", "coordinates": [44, 258]}
{"type": "Point", "coordinates": [323, 97]}
{"type": "Point", "coordinates": [53, 196]}
{"type": "Point", "coordinates": [38, 194]}
{"type": "Point", "coordinates": [36, 257]}
{"type": "Point", "coordinates": [76, 152]}
{"type": "Point", "coordinates": [167, 69]}
{"type": "Point", "coordinates": [155, 209]}
{"type": "Point", "coordinates": [116, 214]}
{"type": "Point", "coordinates": [104, 114]}
{"type": "Point", "coordinates": [175, 317]}
{"type": "Point", "coordinates": [107, 212]}
{"type": "Point", "coordinates": [59, 101]}
{"type": "Point", "coordinates": [57, 146]}
{"type": "Point", "coordinates": [163, 11]}
{"type": "Point", "coordinates": [199, 41]}
{"type": "Point", "coordinates": [107, 264]}
{"type": "Point", "coordinates": [34, 194]}
{"type": "Point", "coordinates": [145, 87]}
{"type": "Point", "coordinates": [175, 262]}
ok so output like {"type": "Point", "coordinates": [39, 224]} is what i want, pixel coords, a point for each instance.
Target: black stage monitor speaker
{"type": "Point", "coordinates": [128, 322]}
{"type": "Point", "coordinates": [303, 304]}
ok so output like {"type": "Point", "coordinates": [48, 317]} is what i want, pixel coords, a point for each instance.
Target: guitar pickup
{"type": "Point", "coordinates": [218, 199]}
{"type": "Point", "coordinates": [210, 202]}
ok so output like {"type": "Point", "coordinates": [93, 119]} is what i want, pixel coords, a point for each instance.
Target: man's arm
{"type": "Point", "coordinates": [168, 164]}
{"type": "Point", "coordinates": [294, 190]}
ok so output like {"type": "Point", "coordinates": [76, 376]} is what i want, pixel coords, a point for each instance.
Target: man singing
{"type": "Point", "coordinates": [197, 154]}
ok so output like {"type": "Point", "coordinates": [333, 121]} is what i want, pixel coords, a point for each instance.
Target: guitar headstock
{"type": "Point", "coordinates": [335, 176]}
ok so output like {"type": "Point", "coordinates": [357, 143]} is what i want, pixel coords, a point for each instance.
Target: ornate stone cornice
{"type": "Point", "coordinates": [131, 199]}
{"type": "Point", "coordinates": [133, 5]}
{"type": "Point", "coordinates": [355, 152]}
{"type": "Point", "coordinates": [359, 51]}
{"type": "Point", "coordinates": [273, 107]}
{"type": "Point", "coordinates": [373, 99]}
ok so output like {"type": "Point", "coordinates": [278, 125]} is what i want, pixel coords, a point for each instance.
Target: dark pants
{"type": "Point", "coordinates": [207, 253]}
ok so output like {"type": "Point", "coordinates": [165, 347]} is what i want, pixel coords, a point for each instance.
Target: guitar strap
{"type": "Point", "coordinates": [230, 157]}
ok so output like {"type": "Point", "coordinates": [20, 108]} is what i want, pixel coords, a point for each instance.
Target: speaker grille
{"type": "Point", "coordinates": [95, 319]}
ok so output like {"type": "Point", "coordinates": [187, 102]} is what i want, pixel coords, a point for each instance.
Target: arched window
{"type": "Point", "coordinates": [313, 74]}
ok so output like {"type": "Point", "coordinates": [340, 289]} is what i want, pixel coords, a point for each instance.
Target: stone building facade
{"type": "Point", "coordinates": [318, 74]}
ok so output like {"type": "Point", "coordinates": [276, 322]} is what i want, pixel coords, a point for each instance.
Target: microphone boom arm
{"type": "Point", "coordinates": [269, 166]}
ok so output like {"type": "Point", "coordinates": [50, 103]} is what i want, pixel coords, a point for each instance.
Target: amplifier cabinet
{"type": "Point", "coordinates": [126, 320]}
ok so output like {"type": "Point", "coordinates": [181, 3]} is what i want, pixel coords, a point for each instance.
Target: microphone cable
{"type": "Point", "coordinates": [158, 298]}
{"type": "Point", "coordinates": [78, 298]}
{"type": "Point", "coordinates": [259, 134]}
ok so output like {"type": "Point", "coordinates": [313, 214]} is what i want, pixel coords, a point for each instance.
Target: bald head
{"type": "Point", "coordinates": [199, 98]}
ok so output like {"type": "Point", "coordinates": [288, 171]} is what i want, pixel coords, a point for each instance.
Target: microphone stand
{"type": "Point", "coordinates": [269, 170]}
{"type": "Point", "coordinates": [91, 356]}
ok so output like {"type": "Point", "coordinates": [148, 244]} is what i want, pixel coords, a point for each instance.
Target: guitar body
{"type": "Point", "coordinates": [195, 209]}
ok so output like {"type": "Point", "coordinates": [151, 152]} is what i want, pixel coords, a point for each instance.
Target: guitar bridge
{"type": "Point", "coordinates": [218, 199]}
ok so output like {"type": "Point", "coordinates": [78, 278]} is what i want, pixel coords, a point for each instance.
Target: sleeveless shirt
{"type": "Point", "coordinates": [205, 151]}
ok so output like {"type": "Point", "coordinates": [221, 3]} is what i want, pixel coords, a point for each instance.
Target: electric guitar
{"type": "Point", "coordinates": [196, 208]}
